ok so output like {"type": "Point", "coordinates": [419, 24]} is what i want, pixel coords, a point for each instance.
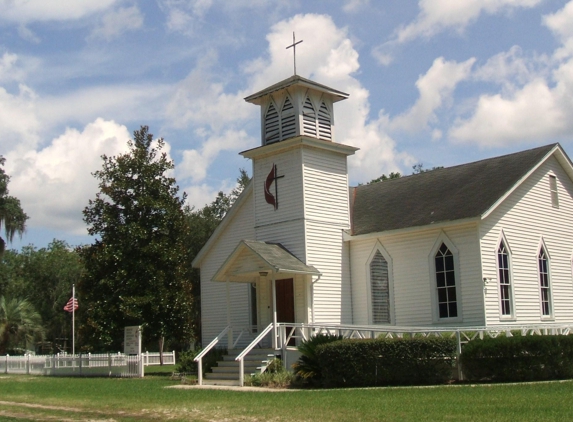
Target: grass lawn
{"type": "Point", "coordinates": [70, 399]}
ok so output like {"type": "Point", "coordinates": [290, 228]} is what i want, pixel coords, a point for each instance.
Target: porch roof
{"type": "Point", "coordinates": [252, 257]}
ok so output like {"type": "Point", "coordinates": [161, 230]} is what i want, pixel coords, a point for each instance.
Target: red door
{"type": "Point", "coordinates": [285, 300]}
{"type": "Point", "coordinates": [285, 304]}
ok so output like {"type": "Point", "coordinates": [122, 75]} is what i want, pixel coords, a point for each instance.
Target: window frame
{"type": "Point", "coordinates": [554, 190]}
{"type": "Point", "coordinates": [542, 248]}
{"type": "Point", "coordinates": [443, 239]}
{"type": "Point", "coordinates": [392, 315]}
{"type": "Point", "coordinates": [512, 315]}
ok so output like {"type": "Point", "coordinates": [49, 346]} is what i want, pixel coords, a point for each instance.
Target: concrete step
{"type": "Point", "coordinates": [234, 370]}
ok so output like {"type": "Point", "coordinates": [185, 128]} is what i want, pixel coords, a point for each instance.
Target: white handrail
{"type": "Point", "coordinates": [199, 357]}
{"type": "Point", "coordinates": [250, 347]}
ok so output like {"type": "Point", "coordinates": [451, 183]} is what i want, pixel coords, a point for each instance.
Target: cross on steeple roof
{"type": "Point", "coordinates": [293, 45]}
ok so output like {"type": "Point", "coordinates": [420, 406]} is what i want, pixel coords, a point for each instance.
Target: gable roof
{"type": "Point", "coordinates": [251, 257]}
{"type": "Point", "coordinates": [454, 193]}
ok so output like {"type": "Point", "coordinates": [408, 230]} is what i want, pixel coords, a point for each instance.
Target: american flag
{"type": "Point", "coordinates": [72, 305]}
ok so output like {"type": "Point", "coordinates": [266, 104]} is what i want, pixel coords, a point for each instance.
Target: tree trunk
{"type": "Point", "coordinates": [161, 341]}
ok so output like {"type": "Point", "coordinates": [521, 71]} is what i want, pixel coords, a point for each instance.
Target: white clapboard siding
{"type": "Point", "coordinates": [326, 211]}
{"type": "Point", "coordinates": [526, 217]}
{"type": "Point", "coordinates": [214, 294]}
{"type": "Point", "coordinates": [325, 187]}
{"type": "Point", "coordinates": [289, 188]}
{"type": "Point", "coordinates": [412, 281]}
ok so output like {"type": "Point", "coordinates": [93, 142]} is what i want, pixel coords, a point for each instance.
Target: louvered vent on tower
{"type": "Point", "coordinates": [324, 123]}
{"type": "Point", "coordinates": [309, 118]}
{"type": "Point", "coordinates": [272, 125]}
{"type": "Point", "coordinates": [288, 120]}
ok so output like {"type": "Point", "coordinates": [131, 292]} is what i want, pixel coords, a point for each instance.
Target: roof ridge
{"type": "Point", "coordinates": [498, 157]}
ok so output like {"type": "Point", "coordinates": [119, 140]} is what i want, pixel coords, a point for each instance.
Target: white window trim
{"type": "Point", "coordinates": [443, 238]}
{"type": "Point", "coordinates": [379, 248]}
{"type": "Point", "coordinates": [512, 316]}
{"type": "Point", "coordinates": [551, 316]}
{"type": "Point", "coordinates": [554, 194]}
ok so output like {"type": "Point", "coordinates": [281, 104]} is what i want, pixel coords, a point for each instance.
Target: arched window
{"type": "Point", "coordinates": [544, 282]}
{"type": "Point", "coordinates": [446, 283]}
{"type": "Point", "coordinates": [380, 289]}
{"type": "Point", "coordinates": [272, 132]}
{"type": "Point", "coordinates": [505, 296]}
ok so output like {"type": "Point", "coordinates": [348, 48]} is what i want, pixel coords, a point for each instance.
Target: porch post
{"type": "Point", "coordinates": [275, 333]}
{"type": "Point", "coordinates": [230, 333]}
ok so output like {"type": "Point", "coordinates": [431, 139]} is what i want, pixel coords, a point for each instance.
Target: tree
{"type": "Point", "coordinates": [12, 217]}
{"type": "Point", "coordinates": [419, 168]}
{"type": "Point", "coordinates": [392, 175]}
{"type": "Point", "coordinates": [139, 270]}
{"type": "Point", "coordinates": [45, 276]}
{"type": "Point", "coordinates": [20, 324]}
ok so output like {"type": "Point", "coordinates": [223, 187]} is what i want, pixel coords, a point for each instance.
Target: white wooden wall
{"type": "Point", "coordinates": [326, 215]}
{"type": "Point", "coordinates": [214, 294]}
{"type": "Point", "coordinates": [412, 281]}
{"type": "Point", "coordinates": [526, 217]}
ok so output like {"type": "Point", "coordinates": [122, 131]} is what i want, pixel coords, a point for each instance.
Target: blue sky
{"type": "Point", "coordinates": [439, 82]}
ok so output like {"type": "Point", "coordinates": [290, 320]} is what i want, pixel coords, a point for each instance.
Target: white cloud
{"type": "Point", "coordinates": [197, 161]}
{"type": "Point", "coordinates": [438, 15]}
{"type": "Point", "coordinates": [561, 22]}
{"type": "Point", "coordinates": [534, 112]}
{"type": "Point", "coordinates": [198, 100]}
{"type": "Point", "coordinates": [116, 22]}
{"type": "Point", "coordinates": [27, 34]}
{"type": "Point", "coordinates": [54, 184]}
{"type": "Point", "coordinates": [8, 70]}
{"type": "Point", "coordinates": [435, 88]}
{"type": "Point", "coordinates": [18, 121]}
{"type": "Point", "coordinates": [123, 102]}
{"type": "Point", "coordinates": [352, 6]}
{"type": "Point", "coordinates": [536, 102]}
{"type": "Point", "coordinates": [512, 68]}
{"type": "Point", "coordinates": [184, 15]}
{"type": "Point", "coordinates": [42, 10]}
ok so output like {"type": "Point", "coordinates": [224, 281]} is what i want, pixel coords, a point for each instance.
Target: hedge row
{"type": "Point", "coordinates": [365, 363]}
{"type": "Point", "coordinates": [519, 358]}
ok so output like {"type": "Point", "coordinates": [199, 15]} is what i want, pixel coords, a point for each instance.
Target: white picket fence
{"type": "Point", "coordinates": [89, 364]}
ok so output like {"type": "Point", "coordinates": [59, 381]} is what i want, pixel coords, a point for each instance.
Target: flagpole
{"type": "Point", "coordinates": [73, 319]}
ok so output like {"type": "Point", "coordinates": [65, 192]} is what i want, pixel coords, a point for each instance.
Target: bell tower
{"type": "Point", "coordinates": [300, 183]}
{"type": "Point", "coordinates": [295, 107]}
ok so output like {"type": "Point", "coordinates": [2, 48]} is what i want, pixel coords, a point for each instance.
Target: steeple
{"type": "Point", "coordinates": [296, 107]}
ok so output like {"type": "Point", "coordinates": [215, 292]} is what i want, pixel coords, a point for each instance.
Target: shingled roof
{"type": "Point", "coordinates": [442, 195]}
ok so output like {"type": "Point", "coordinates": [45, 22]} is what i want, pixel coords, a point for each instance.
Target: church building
{"type": "Point", "coordinates": [484, 244]}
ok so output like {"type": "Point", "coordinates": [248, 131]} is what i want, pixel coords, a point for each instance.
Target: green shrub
{"type": "Point", "coordinates": [519, 358]}
{"type": "Point", "coordinates": [307, 368]}
{"type": "Point", "coordinates": [275, 376]}
{"type": "Point", "coordinates": [186, 363]}
{"type": "Point", "coordinates": [364, 363]}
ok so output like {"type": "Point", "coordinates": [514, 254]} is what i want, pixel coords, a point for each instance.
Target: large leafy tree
{"type": "Point", "coordinates": [20, 324]}
{"type": "Point", "coordinates": [45, 276]}
{"type": "Point", "coordinates": [138, 270]}
{"type": "Point", "coordinates": [12, 217]}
